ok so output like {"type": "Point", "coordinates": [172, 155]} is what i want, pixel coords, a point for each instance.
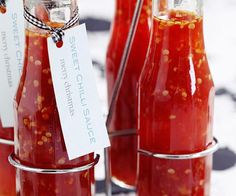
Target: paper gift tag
{"type": "Point", "coordinates": [81, 118]}
{"type": "Point", "coordinates": [11, 57]}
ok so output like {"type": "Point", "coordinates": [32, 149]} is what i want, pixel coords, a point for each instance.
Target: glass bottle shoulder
{"type": "Point", "coordinates": [176, 56]}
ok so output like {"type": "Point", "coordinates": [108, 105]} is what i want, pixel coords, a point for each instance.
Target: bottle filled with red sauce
{"type": "Point", "coordinates": [124, 114]}
{"type": "Point", "coordinates": [7, 172]}
{"type": "Point", "coordinates": [38, 132]}
{"type": "Point", "coordinates": [176, 95]}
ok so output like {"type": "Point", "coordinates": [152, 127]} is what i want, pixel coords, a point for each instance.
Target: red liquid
{"type": "Point", "coordinates": [3, 10]}
{"type": "Point", "coordinates": [39, 139]}
{"type": "Point", "coordinates": [7, 172]}
{"type": "Point", "coordinates": [175, 108]}
{"type": "Point", "coordinates": [123, 149]}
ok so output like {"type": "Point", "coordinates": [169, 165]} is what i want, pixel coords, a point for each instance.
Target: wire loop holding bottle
{"type": "Point", "coordinates": [125, 132]}
{"type": "Point", "coordinates": [209, 151]}
{"type": "Point", "coordinates": [16, 163]}
{"type": "Point", "coordinates": [56, 33]}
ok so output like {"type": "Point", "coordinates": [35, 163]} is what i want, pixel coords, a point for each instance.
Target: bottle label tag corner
{"type": "Point", "coordinates": [11, 58]}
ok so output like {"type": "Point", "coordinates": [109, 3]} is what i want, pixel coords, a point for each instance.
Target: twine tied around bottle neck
{"type": "Point", "coordinates": [56, 33]}
{"type": "Point", "coordinates": [2, 3]}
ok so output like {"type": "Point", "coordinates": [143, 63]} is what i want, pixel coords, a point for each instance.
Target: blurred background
{"type": "Point", "coordinates": [220, 40]}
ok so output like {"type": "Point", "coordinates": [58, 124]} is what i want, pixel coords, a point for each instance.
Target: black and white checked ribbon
{"type": "Point", "coordinates": [2, 3]}
{"type": "Point", "coordinates": [56, 33]}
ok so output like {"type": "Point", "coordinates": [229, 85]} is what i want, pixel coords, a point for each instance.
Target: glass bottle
{"type": "Point", "coordinates": [38, 133]}
{"type": "Point", "coordinates": [123, 151]}
{"type": "Point", "coordinates": [176, 95]}
{"type": "Point", "coordinates": [7, 172]}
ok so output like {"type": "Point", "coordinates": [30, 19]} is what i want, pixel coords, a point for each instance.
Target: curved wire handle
{"type": "Point", "coordinates": [15, 163]}
{"type": "Point", "coordinates": [210, 150]}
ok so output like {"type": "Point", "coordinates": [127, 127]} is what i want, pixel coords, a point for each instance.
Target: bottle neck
{"type": "Point", "coordinates": [163, 8]}
{"type": "Point", "coordinates": [178, 28]}
{"type": "Point", "coordinates": [54, 13]}
{"type": "Point", "coordinates": [124, 9]}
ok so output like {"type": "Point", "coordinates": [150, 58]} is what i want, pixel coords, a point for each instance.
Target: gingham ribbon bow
{"type": "Point", "coordinates": [2, 3]}
{"type": "Point", "coordinates": [56, 33]}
